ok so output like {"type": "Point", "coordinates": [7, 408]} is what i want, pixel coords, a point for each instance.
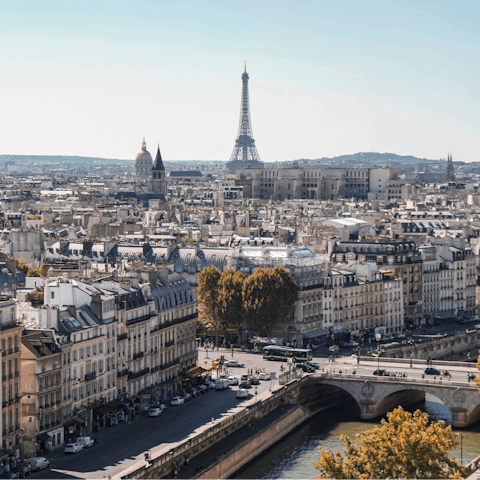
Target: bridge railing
{"type": "Point", "coordinates": [408, 380]}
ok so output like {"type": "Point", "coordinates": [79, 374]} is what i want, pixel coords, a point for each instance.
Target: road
{"type": "Point", "coordinates": [123, 445]}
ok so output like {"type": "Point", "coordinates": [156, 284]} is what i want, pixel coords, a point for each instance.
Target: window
{"type": "Point", "coordinates": [52, 295]}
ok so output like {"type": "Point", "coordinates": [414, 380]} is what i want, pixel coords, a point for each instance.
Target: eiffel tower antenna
{"type": "Point", "coordinates": [244, 152]}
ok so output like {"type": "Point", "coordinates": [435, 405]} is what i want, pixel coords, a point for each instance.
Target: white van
{"type": "Point", "coordinates": [221, 384]}
{"type": "Point", "coordinates": [85, 441]}
{"type": "Point", "coordinates": [37, 463]}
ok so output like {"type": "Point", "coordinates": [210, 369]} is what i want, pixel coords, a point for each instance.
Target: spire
{"type": "Point", "coordinates": [245, 68]}
{"type": "Point", "coordinates": [158, 164]}
{"type": "Point", "coordinates": [144, 145]}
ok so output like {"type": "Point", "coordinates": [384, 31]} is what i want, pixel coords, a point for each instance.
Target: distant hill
{"type": "Point", "coordinates": [374, 158]}
{"type": "Point", "coordinates": [59, 159]}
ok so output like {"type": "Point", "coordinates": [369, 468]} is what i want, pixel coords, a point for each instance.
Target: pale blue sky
{"type": "Point", "coordinates": [326, 77]}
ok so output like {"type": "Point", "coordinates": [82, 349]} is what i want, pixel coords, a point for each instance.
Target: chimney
{"type": "Point", "coordinates": [12, 266]}
{"type": "Point", "coordinates": [152, 278]}
{"type": "Point", "coordinates": [96, 306]}
{"type": "Point", "coordinates": [72, 309]}
{"type": "Point", "coordinates": [163, 274]}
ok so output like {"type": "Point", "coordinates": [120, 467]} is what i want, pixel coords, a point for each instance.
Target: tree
{"type": "Point", "coordinates": [231, 299]}
{"type": "Point", "coordinates": [208, 300]}
{"type": "Point", "coordinates": [268, 297]}
{"type": "Point", "coordinates": [406, 445]}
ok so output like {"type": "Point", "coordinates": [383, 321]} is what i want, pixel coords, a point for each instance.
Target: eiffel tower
{"type": "Point", "coordinates": [244, 153]}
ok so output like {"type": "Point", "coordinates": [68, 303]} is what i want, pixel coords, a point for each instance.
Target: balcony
{"type": "Point", "coordinates": [169, 344]}
{"type": "Point", "coordinates": [122, 373]}
{"type": "Point", "coordinates": [139, 374]}
{"type": "Point", "coordinates": [90, 376]}
{"type": "Point", "coordinates": [143, 318]}
{"type": "Point", "coordinates": [121, 337]}
{"type": "Point", "coordinates": [170, 364]}
{"type": "Point", "coordinates": [137, 355]}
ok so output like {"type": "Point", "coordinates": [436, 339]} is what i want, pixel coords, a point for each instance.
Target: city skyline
{"type": "Point", "coordinates": [91, 80]}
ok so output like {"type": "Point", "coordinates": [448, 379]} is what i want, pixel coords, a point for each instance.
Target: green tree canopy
{"type": "Point", "coordinates": [231, 300]}
{"type": "Point", "coordinates": [406, 445]}
{"type": "Point", "coordinates": [208, 304]}
{"type": "Point", "coordinates": [268, 297]}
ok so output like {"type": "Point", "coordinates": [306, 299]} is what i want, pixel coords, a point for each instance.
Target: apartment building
{"type": "Point", "coordinates": [401, 258]}
{"type": "Point", "coordinates": [10, 332]}
{"type": "Point", "coordinates": [42, 415]}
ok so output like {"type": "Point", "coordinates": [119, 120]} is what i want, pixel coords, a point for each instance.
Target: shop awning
{"type": "Point", "coordinates": [44, 437]}
{"type": "Point", "coordinates": [316, 333]}
{"type": "Point", "coordinates": [103, 409]}
{"type": "Point", "coordinates": [4, 454]}
{"type": "Point", "coordinates": [197, 371]}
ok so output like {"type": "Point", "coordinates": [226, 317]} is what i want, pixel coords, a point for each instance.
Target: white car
{"type": "Point", "coordinates": [232, 380]}
{"type": "Point", "coordinates": [154, 412]}
{"type": "Point", "coordinates": [233, 363]}
{"type": "Point", "coordinates": [242, 393]}
{"type": "Point", "coordinates": [73, 447]}
{"type": "Point", "coordinates": [352, 343]}
{"type": "Point", "coordinates": [401, 335]}
{"type": "Point", "coordinates": [177, 401]}
{"type": "Point", "coordinates": [264, 376]}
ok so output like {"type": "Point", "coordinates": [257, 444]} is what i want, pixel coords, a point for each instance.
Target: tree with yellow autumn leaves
{"type": "Point", "coordinates": [406, 445]}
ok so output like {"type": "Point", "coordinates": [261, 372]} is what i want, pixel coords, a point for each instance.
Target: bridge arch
{"type": "Point", "coordinates": [376, 396]}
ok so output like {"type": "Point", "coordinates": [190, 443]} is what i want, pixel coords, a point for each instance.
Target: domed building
{"type": "Point", "coordinates": [143, 162]}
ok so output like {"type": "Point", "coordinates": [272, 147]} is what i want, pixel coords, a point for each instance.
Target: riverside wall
{"type": "Point", "coordinates": [244, 453]}
{"type": "Point", "coordinates": [162, 464]}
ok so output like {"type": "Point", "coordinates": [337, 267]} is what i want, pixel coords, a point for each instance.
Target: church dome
{"type": "Point", "coordinates": [143, 161]}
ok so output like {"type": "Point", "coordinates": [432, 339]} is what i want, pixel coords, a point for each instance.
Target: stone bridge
{"type": "Point", "coordinates": [376, 396]}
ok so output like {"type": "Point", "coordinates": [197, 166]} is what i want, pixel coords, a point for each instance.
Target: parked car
{"type": "Point", "coordinates": [232, 381]}
{"type": "Point", "coordinates": [221, 384]}
{"type": "Point", "coordinates": [187, 396]}
{"type": "Point", "coordinates": [334, 348]}
{"type": "Point", "coordinates": [312, 364]}
{"type": "Point", "coordinates": [233, 363]}
{"type": "Point", "coordinates": [242, 393]}
{"type": "Point", "coordinates": [400, 335]}
{"type": "Point", "coordinates": [211, 385]}
{"type": "Point", "coordinates": [85, 441]}
{"type": "Point", "coordinates": [38, 463]}
{"type": "Point", "coordinates": [9, 475]}
{"type": "Point", "coordinates": [254, 380]}
{"type": "Point", "coordinates": [245, 384]}
{"type": "Point", "coordinates": [381, 373]}
{"type": "Point", "coordinates": [352, 343]}
{"type": "Point", "coordinates": [431, 371]}
{"type": "Point", "coordinates": [73, 448]}
{"type": "Point", "coordinates": [155, 412]}
{"type": "Point", "coordinates": [177, 401]}
{"type": "Point", "coordinates": [306, 368]}
{"type": "Point", "coordinates": [264, 376]}
{"type": "Point", "coordinates": [23, 470]}
{"type": "Point", "coordinates": [194, 392]}
{"type": "Point", "coordinates": [203, 389]}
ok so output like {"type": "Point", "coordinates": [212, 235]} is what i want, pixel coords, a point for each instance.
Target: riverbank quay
{"type": "Point", "coordinates": [166, 462]}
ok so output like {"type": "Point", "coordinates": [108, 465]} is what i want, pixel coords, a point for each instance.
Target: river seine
{"type": "Point", "coordinates": [295, 455]}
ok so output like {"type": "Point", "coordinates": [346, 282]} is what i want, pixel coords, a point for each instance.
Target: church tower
{"type": "Point", "coordinates": [157, 182]}
{"type": "Point", "coordinates": [449, 172]}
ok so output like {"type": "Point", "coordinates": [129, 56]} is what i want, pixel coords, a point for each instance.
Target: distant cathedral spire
{"type": "Point", "coordinates": [449, 172]}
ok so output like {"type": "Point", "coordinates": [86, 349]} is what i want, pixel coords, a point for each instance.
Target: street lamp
{"type": "Point", "coordinates": [255, 393]}
{"type": "Point", "coordinates": [232, 350]}
{"type": "Point", "coordinates": [206, 351]}
{"type": "Point", "coordinates": [411, 359]}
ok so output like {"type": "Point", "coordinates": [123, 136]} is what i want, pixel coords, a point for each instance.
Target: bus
{"type": "Point", "coordinates": [274, 352]}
